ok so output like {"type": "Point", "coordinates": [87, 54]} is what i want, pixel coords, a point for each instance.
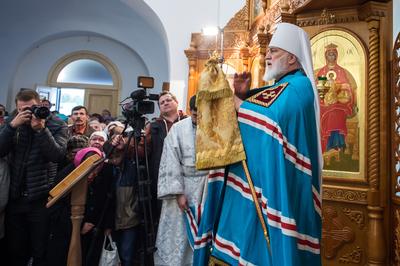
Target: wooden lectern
{"type": "Point", "coordinates": [76, 183]}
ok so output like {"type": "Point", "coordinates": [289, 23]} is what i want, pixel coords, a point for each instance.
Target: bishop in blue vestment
{"type": "Point", "coordinates": [280, 131]}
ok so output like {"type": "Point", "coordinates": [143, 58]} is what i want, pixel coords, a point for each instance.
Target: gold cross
{"type": "Point", "coordinates": [268, 94]}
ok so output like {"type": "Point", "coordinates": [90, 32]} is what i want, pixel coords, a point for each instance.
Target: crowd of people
{"type": "Point", "coordinates": [281, 140]}
{"type": "Point", "coordinates": [39, 153]}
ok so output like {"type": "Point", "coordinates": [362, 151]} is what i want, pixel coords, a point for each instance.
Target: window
{"type": "Point", "coordinates": [85, 71]}
{"type": "Point", "coordinates": [62, 99]}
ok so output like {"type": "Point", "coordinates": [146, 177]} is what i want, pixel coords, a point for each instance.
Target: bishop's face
{"type": "Point", "coordinates": [277, 63]}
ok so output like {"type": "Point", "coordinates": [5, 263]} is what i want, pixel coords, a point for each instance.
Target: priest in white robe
{"type": "Point", "coordinates": [179, 185]}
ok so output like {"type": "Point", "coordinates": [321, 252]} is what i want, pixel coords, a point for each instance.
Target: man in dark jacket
{"type": "Point", "coordinates": [80, 119]}
{"type": "Point", "coordinates": [35, 146]}
{"type": "Point", "coordinates": [156, 132]}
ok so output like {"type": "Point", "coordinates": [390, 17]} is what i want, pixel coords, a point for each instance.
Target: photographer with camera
{"type": "Point", "coordinates": [35, 142]}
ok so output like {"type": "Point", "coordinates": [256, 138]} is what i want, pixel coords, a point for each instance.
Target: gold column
{"type": "Point", "coordinates": [262, 39]}
{"type": "Point", "coordinates": [191, 54]}
{"type": "Point", "coordinates": [376, 236]}
{"type": "Point", "coordinates": [244, 54]}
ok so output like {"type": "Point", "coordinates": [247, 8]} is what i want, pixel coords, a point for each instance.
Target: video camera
{"type": "Point", "coordinates": [141, 103]}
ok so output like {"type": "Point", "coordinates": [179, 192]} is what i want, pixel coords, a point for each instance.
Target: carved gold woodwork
{"type": "Point", "coordinates": [241, 19]}
{"type": "Point", "coordinates": [397, 238]}
{"type": "Point", "coordinates": [395, 130]}
{"type": "Point", "coordinates": [343, 194]}
{"type": "Point", "coordinates": [354, 256]}
{"type": "Point", "coordinates": [396, 121]}
{"type": "Point", "coordinates": [192, 79]}
{"type": "Point", "coordinates": [376, 256]}
{"type": "Point", "coordinates": [334, 233]}
{"type": "Point", "coordinates": [355, 216]}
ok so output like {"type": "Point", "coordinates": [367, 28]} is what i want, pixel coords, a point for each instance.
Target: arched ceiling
{"type": "Point", "coordinates": [25, 25]}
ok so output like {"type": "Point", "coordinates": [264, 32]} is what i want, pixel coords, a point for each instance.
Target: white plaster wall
{"type": "Point", "coordinates": [25, 25]}
{"type": "Point", "coordinates": [157, 30]}
{"type": "Point", "coordinates": [34, 68]}
{"type": "Point", "coordinates": [180, 19]}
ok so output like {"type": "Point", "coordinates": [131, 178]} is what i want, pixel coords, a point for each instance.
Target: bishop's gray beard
{"type": "Point", "coordinates": [275, 71]}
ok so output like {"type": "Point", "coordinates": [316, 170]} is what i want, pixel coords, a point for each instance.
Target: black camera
{"type": "Point", "coordinates": [40, 112]}
{"type": "Point", "coordinates": [141, 103]}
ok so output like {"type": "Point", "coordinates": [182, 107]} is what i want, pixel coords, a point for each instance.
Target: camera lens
{"type": "Point", "coordinates": [41, 112]}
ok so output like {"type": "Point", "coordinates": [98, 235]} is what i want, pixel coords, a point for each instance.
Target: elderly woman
{"type": "Point", "coordinates": [60, 222]}
{"type": "Point", "coordinates": [100, 202]}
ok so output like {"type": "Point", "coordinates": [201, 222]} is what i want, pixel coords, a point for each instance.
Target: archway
{"type": "Point", "coordinates": [84, 78]}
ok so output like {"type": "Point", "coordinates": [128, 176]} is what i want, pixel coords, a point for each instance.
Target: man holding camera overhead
{"type": "Point", "coordinates": [35, 143]}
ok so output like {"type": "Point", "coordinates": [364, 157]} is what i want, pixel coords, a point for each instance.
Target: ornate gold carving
{"type": "Point", "coordinates": [264, 4]}
{"type": "Point", "coordinates": [373, 106]}
{"type": "Point", "coordinates": [355, 216]}
{"type": "Point", "coordinates": [395, 102]}
{"type": "Point", "coordinates": [375, 227]}
{"type": "Point", "coordinates": [232, 40]}
{"type": "Point", "coordinates": [344, 194]}
{"type": "Point", "coordinates": [376, 253]}
{"type": "Point", "coordinates": [345, 16]}
{"type": "Point", "coordinates": [271, 15]}
{"type": "Point", "coordinates": [240, 21]}
{"type": "Point", "coordinates": [295, 4]}
{"type": "Point", "coordinates": [235, 40]}
{"type": "Point", "coordinates": [334, 233]}
{"type": "Point", "coordinates": [354, 256]}
{"type": "Point", "coordinates": [372, 10]}
{"type": "Point", "coordinates": [284, 6]}
{"type": "Point", "coordinates": [191, 53]}
{"type": "Point", "coordinates": [397, 239]}
{"type": "Point", "coordinates": [261, 40]}
{"type": "Point", "coordinates": [396, 120]}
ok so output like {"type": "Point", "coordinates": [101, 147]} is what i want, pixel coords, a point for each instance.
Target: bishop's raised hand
{"type": "Point", "coordinates": [241, 84]}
